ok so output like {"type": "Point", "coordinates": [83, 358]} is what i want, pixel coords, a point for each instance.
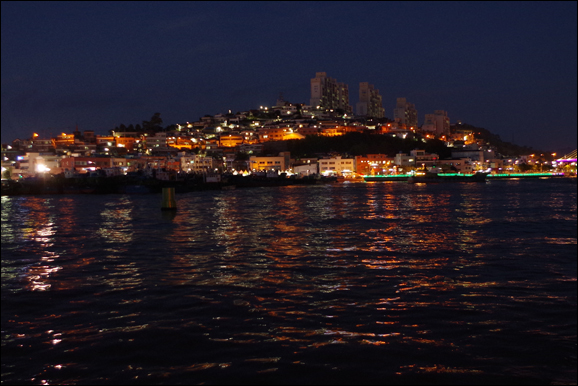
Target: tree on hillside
{"type": "Point", "coordinates": [155, 123]}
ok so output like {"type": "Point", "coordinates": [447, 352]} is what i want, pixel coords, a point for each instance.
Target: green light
{"type": "Point", "coordinates": [389, 176]}
{"type": "Point", "coordinates": [526, 175]}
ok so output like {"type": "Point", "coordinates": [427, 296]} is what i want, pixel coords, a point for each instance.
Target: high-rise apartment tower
{"type": "Point", "coordinates": [370, 103]}
{"type": "Point", "coordinates": [405, 113]}
{"type": "Point", "coordinates": [327, 93]}
{"type": "Point", "coordinates": [437, 123]}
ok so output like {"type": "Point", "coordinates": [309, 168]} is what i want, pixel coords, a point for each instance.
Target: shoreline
{"type": "Point", "coordinates": [123, 185]}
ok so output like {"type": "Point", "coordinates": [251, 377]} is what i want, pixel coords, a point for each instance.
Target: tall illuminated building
{"type": "Point", "coordinates": [437, 123]}
{"type": "Point", "coordinates": [370, 102]}
{"type": "Point", "coordinates": [405, 113]}
{"type": "Point", "coordinates": [327, 93]}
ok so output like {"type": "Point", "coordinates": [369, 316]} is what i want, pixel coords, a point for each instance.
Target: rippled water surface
{"type": "Point", "coordinates": [383, 283]}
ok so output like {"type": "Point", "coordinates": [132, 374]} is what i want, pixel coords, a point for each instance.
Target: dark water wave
{"type": "Point", "coordinates": [349, 283]}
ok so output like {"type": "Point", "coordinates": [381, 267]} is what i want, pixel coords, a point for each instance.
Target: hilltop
{"type": "Point", "coordinates": [504, 148]}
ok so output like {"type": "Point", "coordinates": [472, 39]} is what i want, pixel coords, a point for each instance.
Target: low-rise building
{"type": "Point", "coordinates": [416, 159]}
{"type": "Point", "coordinates": [496, 164]}
{"type": "Point", "coordinates": [231, 140]}
{"type": "Point", "coordinates": [308, 130]}
{"type": "Point", "coordinates": [404, 160]}
{"type": "Point", "coordinates": [461, 165]}
{"type": "Point", "coordinates": [373, 164]}
{"type": "Point", "coordinates": [306, 169]}
{"type": "Point", "coordinates": [474, 152]}
{"type": "Point", "coordinates": [337, 166]}
{"type": "Point", "coordinates": [40, 145]}
{"type": "Point", "coordinates": [276, 134]}
{"type": "Point", "coordinates": [278, 163]}
{"type": "Point", "coordinates": [86, 164]}
{"type": "Point", "coordinates": [31, 163]}
{"type": "Point", "coordinates": [423, 159]}
{"type": "Point", "coordinates": [127, 142]}
{"type": "Point", "coordinates": [157, 142]}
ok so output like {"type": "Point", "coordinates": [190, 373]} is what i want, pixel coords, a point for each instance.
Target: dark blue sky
{"type": "Point", "coordinates": [510, 67]}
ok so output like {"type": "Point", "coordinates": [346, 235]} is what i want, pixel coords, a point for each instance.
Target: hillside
{"type": "Point", "coordinates": [352, 144]}
{"type": "Point", "coordinates": [503, 147]}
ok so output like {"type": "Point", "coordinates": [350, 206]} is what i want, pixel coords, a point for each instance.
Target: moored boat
{"type": "Point", "coordinates": [385, 178]}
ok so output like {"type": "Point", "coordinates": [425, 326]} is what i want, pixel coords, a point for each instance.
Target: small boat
{"type": "Point", "coordinates": [429, 177]}
{"type": "Point", "coordinates": [350, 178]}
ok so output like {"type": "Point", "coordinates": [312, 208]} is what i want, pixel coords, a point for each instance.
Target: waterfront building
{"type": "Point", "coordinates": [306, 169]}
{"type": "Point", "coordinates": [373, 164]}
{"type": "Point", "coordinates": [203, 164]}
{"type": "Point", "coordinates": [337, 166]}
{"type": "Point", "coordinates": [31, 163]}
{"type": "Point", "coordinates": [370, 102]}
{"type": "Point", "coordinates": [416, 158]}
{"type": "Point", "coordinates": [185, 161]}
{"type": "Point", "coordinates": [278, 163]}
{"type": "Point", "coordinates": [473, 152]}
{"type": "Point", "coordinates": [460, 165]}
{"type": "Point", "coordinates": [423, 159]}
{"type": "Point", "coordinates": [404, 160]}
{"type": "Point", "coordinates": [329, 94]}
{"type": "Point", "coordinates": [496, 164]}
{"type": "Point", "coordinates": [86, 164]}
{"type": "Point", "coordinates": [234, 163]}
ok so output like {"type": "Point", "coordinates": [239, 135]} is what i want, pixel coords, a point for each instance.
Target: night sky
{"type": "Point", "coordinates": [508, 67]}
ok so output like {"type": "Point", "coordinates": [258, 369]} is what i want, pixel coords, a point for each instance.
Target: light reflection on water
{"type": "Point", "coordinates": [340, 283]}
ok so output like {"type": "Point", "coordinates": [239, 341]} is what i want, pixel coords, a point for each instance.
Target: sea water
{"type": "Point", "coordinates": [353, 283]}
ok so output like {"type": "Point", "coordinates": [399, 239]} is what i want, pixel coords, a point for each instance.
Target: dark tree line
{"type": "Point", "coordinates": [151, 126]}
{"type": "Point", "coordinates": [362, 144]}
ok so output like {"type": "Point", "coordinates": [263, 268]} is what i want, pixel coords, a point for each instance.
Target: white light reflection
{"type": "Point", "coordinates": [117, 226]}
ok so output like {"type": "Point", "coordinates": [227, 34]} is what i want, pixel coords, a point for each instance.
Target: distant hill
{"type": "Point", "coordinates": [503, 147]}
{"type": "Point", "coordinates": [352, 144]}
